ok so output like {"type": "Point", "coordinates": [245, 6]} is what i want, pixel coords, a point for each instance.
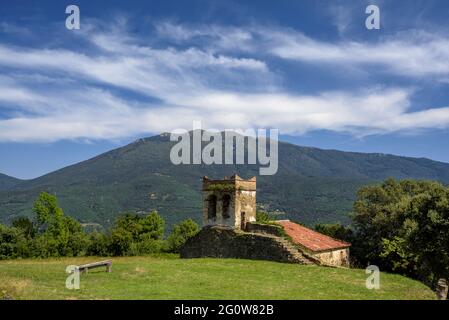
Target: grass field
{"type": "Point", "coordinates": [168, 277]}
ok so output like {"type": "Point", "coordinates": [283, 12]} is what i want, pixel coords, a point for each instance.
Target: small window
{"type": "Point", "coordinates": [226, 204]}
{"type": "Point", "coordinates": [212, 207]}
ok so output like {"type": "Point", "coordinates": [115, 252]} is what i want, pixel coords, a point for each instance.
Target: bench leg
{"type": "Point", "coordinates": [109, 268]}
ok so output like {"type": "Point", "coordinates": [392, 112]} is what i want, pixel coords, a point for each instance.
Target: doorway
{"type": "Point", "coordinates": [242, 220]}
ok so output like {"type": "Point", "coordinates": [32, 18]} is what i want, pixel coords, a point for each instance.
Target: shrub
{"type": "Point", "coordinates": [180, 234]}
{"type": "Point", "coordinates": [26, 225]}
{"type": "Point", "coordinates": [98, 245]}
{"type": "Point", "coordinates": [263, 217]}
{"type": "Point", "coordinates": [120, 242]}
{"type": "Point", "coordinates": [13, 243]}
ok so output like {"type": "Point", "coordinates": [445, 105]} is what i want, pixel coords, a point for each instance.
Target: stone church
{"type": "Point", "coordinates": [230, 230]}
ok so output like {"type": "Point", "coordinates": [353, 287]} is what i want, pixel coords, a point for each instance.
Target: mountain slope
{"type": "Point", "coordinates": [7, 182]}
{"type": "Point", "coordinates": [312, 185]}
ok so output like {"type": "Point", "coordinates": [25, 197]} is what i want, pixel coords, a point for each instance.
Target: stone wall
{"type": "Point", "coordinates": [337, 258]}
{"type": "Point", "coordinates": [245, 202]}
{"type": "Point", "coordinates": [226, 242]}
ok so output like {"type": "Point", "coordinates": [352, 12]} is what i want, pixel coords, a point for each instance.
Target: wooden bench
{"type": "Point", "coordinates": [106, 263]}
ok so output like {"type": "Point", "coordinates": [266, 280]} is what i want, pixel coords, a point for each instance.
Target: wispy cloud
{"type": "Point", "coordinates": [221, 76]}
{"type": "Point", "coordinates": [410, 53]}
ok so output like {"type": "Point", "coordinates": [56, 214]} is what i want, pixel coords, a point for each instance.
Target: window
{"type": "Point", "coordinates": [212, 207]}
{"type": "Point", "coordinates": [226, 205]}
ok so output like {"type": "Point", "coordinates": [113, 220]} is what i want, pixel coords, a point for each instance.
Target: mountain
{"type": "Point", "coordinates": [311, 186]}
{"type": "Point", "coordinates": [7, 182]}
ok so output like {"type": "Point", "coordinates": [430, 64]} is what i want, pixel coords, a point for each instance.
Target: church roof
{"type": "Point", "coordinates": [310, 239]}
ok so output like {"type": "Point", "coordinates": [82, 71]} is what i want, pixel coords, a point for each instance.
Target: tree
{"type": "Point", "coordinates": [133, 234]}
{"type": "Point", "coordinates": [403, 226]}
{"type": "Point", "coordinates": [46, 208]}
{"type": "Point", "coordinates": [13, 243]}
{"type": "Point", "coordinates": [98, 245]}
{"type": "Point", "coordinates": [181, 233]}
{"type": "Point", "coordinates": [26, 225]}
{"type": "Point", "coordinates": [60, 235]}
{"type": "Point", "coordinates": [153, 226]}
{"type": "Point", "coordinates": [337, 231]}
{"type": "Point", "coordinates": [120, 242]}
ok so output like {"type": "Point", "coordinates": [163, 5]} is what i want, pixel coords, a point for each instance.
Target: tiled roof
{"type": "Point", "coordinates": [311, 239]}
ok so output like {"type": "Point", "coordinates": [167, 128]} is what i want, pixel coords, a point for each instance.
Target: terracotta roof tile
{"type": "Point", "coordinates": [311, 239]}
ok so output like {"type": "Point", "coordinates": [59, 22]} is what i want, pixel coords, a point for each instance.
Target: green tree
{"type": "Point", "coordinates": [337, 231]}
{"type": "Point", "coordinates": [134, 234]}
{"type": "Point", "coordinates": [403, 226]}
{"type": "Point", "coordinates": [26, 225]}
{"type": "Point", "coordinates": [13, 243]}
{"type": "Point", "coordinates": [181, 233]}
{"type": "Point", "coordinates": [61, 235]}
{"type": "Point", "coordinates": [152, 226]}
{"type": "Point", "coordinates": [120, 242]}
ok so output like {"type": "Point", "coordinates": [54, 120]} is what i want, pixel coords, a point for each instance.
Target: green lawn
{"type": "Point", "coordinates": [168, 277]}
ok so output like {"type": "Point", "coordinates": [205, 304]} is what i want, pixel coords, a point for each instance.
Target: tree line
{"type": "Point", "coordinates": [400, 226]}
{"type": "Point", "coordinates": [52, 234]}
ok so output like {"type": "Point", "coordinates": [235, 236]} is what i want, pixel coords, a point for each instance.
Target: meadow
{"type": "Point", "coordinates": [169, 277]}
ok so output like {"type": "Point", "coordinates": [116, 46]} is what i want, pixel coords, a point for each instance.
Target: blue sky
{"type": "Point", "coordinates": [138, 68]}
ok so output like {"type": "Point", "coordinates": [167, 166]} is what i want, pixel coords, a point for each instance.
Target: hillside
{"type": "Point", "coordinates": [168, 277]}
{"type": "Point", "coordinates": [312, 185]}
{"type": "Point", "coordinates": [7, 182]}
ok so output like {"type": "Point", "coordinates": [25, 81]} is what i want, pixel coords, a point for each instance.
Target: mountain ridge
{"type": "Point", "coordinates": [312, 185]}
{"type": "Point", "coordinates": [6, 182]}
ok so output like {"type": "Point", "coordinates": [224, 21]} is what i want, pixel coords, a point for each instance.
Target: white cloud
{"type": "Point", "coordinates": [411, 53]}
{"type": "Point", "coordinates": [417, 56]}
{"type": "Point", "coordinates": [56, 93]}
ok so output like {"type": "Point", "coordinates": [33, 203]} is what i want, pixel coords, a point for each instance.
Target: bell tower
{"type": "Point", "coordinates": [230, 201]}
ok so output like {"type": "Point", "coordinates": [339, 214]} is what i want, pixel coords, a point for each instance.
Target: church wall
{"type": "Point", "coordinates": [246, 202]}
{"type": "Point", "coordinates": [338, 258]}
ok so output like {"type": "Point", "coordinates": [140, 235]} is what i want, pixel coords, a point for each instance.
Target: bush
{"type": "Point", "coordinates": [13, 243]}
{"type": "Point", "coordinates": [120, 242]}
{"type": "Point", "coordinates": [133, 234]}
{"type": "Point", "coordinates": [263, 217]}
{"type": "Point", "coordinates": [45, 246]}
{"type": "Point", "coordinates": [180, 234]}
{"type": "Point", "coordinates": [26, 225]}
{"type": "Point", "coordinates": [98, 245]}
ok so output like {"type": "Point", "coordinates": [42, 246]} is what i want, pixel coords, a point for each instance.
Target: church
{"type": "Point", "coordinates": [230, 230]}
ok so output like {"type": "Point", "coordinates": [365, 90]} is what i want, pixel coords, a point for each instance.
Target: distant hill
{"type": "Point", "coordinates": [311, 186]}
{"type": "Point", "coordinates": [7, 182]}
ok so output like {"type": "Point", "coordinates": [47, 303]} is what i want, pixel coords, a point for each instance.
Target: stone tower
{"type": "Point", "coordinates": [230, 201]}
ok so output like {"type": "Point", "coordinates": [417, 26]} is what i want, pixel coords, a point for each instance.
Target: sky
{"type": "Point", "coordinates": [138, 68]}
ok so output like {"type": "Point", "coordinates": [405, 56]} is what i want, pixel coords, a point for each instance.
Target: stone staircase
{"type": "Point", "coordinates": [291, 252]}
{"type": "Point", "coordinates": [294, 254]}
{"type": "Point", "coordinates": [227, 242]}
